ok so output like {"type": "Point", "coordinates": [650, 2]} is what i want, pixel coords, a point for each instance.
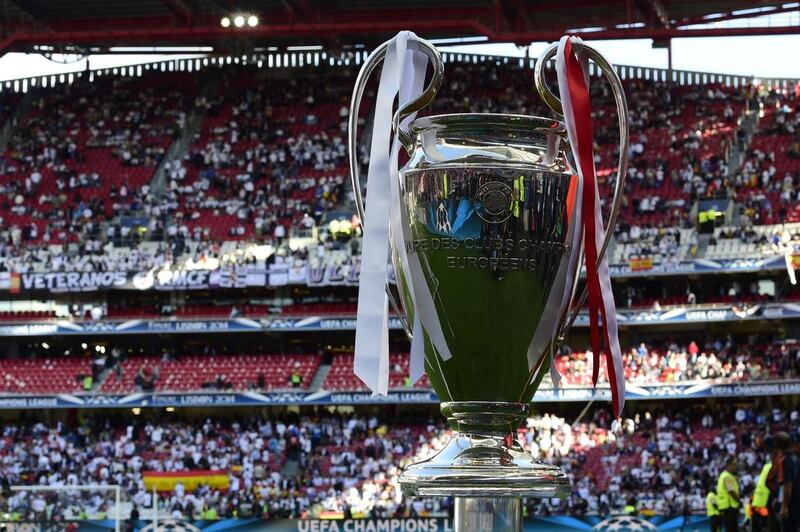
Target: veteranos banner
{"type": "Point", "coordinates": [338, 274]}
{"type": "Point", "coordinates": [166, 279]}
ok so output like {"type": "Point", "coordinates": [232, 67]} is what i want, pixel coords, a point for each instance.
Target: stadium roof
{"type": "Point", "coordinates": [106, 25]}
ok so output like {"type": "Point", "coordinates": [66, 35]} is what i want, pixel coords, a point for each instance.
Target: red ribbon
{"type": "Point", "coordinates": [582, 114]}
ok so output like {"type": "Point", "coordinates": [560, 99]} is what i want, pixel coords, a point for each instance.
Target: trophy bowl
{"type": "Point", "coordinates": [487, 208]}
{"type": "Point", "coordinates": [486, 250]}
{"type": "Point", "coordinates": [487, 201]}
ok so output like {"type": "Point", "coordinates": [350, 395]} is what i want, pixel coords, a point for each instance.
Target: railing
{"type": "Point", "coordinates": [313, 59]}
{"type": "Point", "coordinates": [289, 390]}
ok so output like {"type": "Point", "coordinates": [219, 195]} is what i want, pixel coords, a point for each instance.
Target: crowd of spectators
{"type": "Point", "coordinates": [768, 183]}
{"type": "Point", "coordinates": [267, 163]}
{"type": "Point", "coordinates": [682, 137]}
{"type": "Point", "coordinates": [735, 292]}
{"type": "Point", "coordinates": [268, 158]}
{"type": "Point", "coordinates": [662, 463]}
{"type": "Point", "coordinates": [177, 368]}
{"type": "Point", "coordinates": [347, 465]}
{"type": "Point", "coordinates": [720, 360]}
{"type": "Point", "coordinates": [665, 243]}
{"type": "Point", "coordinates": [91, 256]}
{"type": "Point", "coordinates": [328, 246]}
{"type": "Point", "coordinates": [82, 150]}
{"type": "Point", "coordinates": [734, 242]}
{"type": "Point", "coordinates": [781, 236]}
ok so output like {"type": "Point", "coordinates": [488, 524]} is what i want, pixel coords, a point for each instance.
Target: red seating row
{"type": "Point", "coordinates": [319, 308]}
{"type": "Point", "coordinates": [341, 377]}
{"type": "Point", "coordinates": [43, 375]}
{"type": "Point", "coordinates": [14, 315]}
{"type": "Point", "coordinates": [87, 128]}
{"type": "Point", "coordinates": [224, 311]}
{"type": "Point", "coordinates": [191, 373]}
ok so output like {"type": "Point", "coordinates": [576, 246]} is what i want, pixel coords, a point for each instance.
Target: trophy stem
{"type": "Point", "coordinates": [483, 460]}
{"type": "Point", "coordinates": [498, 514]}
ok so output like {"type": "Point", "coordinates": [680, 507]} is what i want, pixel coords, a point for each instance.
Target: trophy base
{"type": "Point", "coordinates": [483, 458]}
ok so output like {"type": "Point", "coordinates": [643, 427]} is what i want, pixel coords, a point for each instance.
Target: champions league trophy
{"type": "Point", "coordinates": [485, 224]}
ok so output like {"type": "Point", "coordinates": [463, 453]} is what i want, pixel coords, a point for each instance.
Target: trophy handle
{"type": "Point", "coordinates": [369, 66]}
{"type": "Point", "coordinates": [622, 167]}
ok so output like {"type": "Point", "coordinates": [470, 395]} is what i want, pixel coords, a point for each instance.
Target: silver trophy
{"type": "Point", "coordinates": [488, 205]}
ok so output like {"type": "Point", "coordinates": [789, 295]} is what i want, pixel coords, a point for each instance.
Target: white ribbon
{"type": "Point", "coordinates": [403, 75]}
{"type": "Point", "coordinates": [371, 361]}
{"type": "Point", "coordinates": [788, 257]}
{"type": "Point", "coordinates": [410, 89]}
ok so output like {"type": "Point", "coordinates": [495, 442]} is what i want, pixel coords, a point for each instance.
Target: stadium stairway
{"type": "Point", "coordinates": [179, 147]}
{"type": "Point", "coordinates": [290, 469]}
{"type": "Point", "coordinates": [738, 150]}
{"type": "Point", "coordinates": [319, 378]}
{"type": "Point", "coordinates": [737, 159]}
{"type": "Point", "coordinates": [20, 112]}
{"type": "Point", "coordinates": [365, 139]}
{"type": "Point", "coordinates": [97, 384]}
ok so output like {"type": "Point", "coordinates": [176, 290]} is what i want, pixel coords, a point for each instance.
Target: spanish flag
{"type": "Point", "coordinates": [641, 264]}
{"type": "Point", "coordinates": [15, 283]}
{"type": "Point", "coordinates": [10, 281]}
{"type": "Point", "coordinates": [166, 481]}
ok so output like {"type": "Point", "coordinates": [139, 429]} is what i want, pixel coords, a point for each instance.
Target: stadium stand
{"type": "Point", "coordinates": [753, 241]}
{"type": "Point", "coordinates": [267, 160]}
{"type": "Point", "coordinates": [659, 243]}
{"type": "Point", "coordinates": [86, 151]}
{"type": "Point", "coordinates": [667, 458]}
{"type": "Point", "coordinates": [43, 375]}
{"type": "Point", "coordinates": [27, 315]}
{"type": "Point", "coordinates": [768, 179]}
{"type": "Point", "coordinates": [641, 296]}
{"type": "Point", "coordinates": [341, 377]}
{"type": "Point", "coordinates": [716, 361]}
{"type": "Point", "coordinates": [257, 160]}
{"type": "Point", "coordinates": [270, 152]}
{"type": "Point", "coordinates": [681, 137]}
{"type": "Point", "coordinates": [223, 372]}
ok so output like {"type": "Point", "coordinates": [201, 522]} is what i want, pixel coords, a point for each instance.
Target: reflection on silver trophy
{"type": "Point", "coordinates": [486, 241]}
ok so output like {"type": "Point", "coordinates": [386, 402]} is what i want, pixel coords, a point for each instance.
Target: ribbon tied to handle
{"type": "Point", "coordinates": [402, 78]}
{"type": "Point", "coordinates": [573, 84]}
